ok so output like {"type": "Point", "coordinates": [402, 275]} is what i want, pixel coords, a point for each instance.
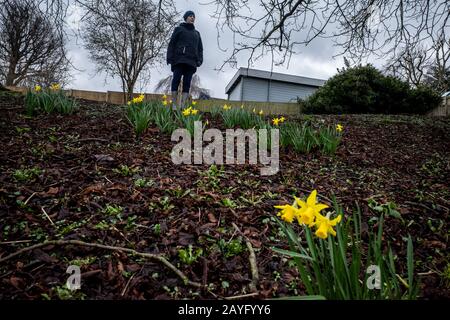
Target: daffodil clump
{"type": "Point", "coordinates": [138, 114]}
{"type": "Point", "coordinates": [240, 118]}
{"type": "Point", "coordinates": [332, 259]}
{"type": "Point", "coordinates": [165, 101]}
{"type": "Point", "coordinates": [330, 138]}
{"type": "Point", "coordinates": [142, 113]}
{"type": "Point", "coordinates": [277, 121]}
{"type": "Point", "coordinates": [189, 111]}
{"type": "Point", "coordinates": [55, 87]}
{"type": "Point", "coordinates": [137, 100]}
{"type": "Point", "coordinates": [260, 112]}
{"type": "Point", "coordinates": [49, 100]}
{"type": "Point", "coordinates": [188, 117]}
{"type": "Point", "coordinates": [307, 213]}
{"type": "Point", "coordinates": [304, 138]}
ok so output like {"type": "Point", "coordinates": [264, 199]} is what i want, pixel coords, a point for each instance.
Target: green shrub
{"type": "Point", "coordinates": [420, 99]}
{"type": "Point", "coordinates": [364, 89]}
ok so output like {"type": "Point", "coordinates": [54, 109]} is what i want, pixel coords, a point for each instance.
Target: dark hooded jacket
{"type": "Point", "coordinates": [185, 46]}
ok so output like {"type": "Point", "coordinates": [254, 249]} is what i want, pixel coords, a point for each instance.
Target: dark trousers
{"type": "Point", "coordinates": [184, 70]}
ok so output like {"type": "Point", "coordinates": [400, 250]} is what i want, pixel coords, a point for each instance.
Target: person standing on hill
{"type": "Point", "coordinates": [185, 55]}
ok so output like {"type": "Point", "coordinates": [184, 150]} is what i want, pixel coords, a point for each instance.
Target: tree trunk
{"type": "Point", "coordinates": [10, 77]}
{"type": "Point", "coordinates": [124, 92]}
{"type": "Point", "coordinates": [130, 89]}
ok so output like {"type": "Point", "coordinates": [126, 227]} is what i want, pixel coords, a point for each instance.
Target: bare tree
{"type": "Point", "coordinates": [126, 38]}
{"type": "Point", "coordinates": [424, 62]}
{"type": "Point", "coordinates": [410, 65]}
{"type": "Point", "coordinates": [197, 91]}
{"type": "Point", "coordinates": [32, 48]}
{"type": "Point", "coordinates": [438, 79]}
{"type": "Point", "coordinates": [359, 27]}
{"type": "Point", "coordinates": [439, 70]}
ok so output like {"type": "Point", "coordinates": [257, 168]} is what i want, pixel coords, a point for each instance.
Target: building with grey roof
{"type": "Point", "coordinates": [265, 86]}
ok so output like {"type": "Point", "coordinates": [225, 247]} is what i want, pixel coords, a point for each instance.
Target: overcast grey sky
{"type": "Point", "coordinates": [315, 60]}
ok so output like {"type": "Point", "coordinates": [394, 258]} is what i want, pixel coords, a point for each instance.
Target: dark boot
{"type": "Point", "coordinates": [184, 99]}
{"type": "Point", "coordinates": [174, 100]}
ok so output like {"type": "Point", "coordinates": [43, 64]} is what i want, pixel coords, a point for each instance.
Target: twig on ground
{"type": "Point", "coordinates": [126, 286]}
{"type": "Point", "coordinates": [252, 259]}
{"type": "Point", "coordinates": [92, 139]}
{"type": "Point", "coordinates": [242, 296]}
{"type": "Point", "coordinates": [47, 216]}
{"type": "Point", "coordinates": [114, 248]}
{"type": "Point", "coordinates": [29, 198]}
{"type": "Point", "coordinates": [17, 241]}
{"type": "Point", "coordinates": [421, 205]}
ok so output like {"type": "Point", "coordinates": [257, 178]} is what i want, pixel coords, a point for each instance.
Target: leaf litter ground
{"type": "Point", "coordinates": [84, 177]}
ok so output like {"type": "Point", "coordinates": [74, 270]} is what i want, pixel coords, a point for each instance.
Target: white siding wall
{"type": "Point", "coordinates": [235, 94]}
{"type": "Point", "coordinates": [288, 92]}
{"type": "Point", "coordinates": [255, 89]}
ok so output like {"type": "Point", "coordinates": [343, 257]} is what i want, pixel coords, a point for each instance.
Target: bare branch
{"type": "Point", "coordinates": [32, 44]}
{"type": "Point", "coordinates": [126, 38]}
{"type": "Point", "coordinates": [359, 28]}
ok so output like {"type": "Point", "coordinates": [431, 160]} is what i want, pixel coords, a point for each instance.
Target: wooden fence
{"type": "Point", "coordinates": [276, 108]}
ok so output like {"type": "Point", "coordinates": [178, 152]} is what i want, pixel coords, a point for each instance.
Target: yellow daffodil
{"type": "Point", "coordinates": [254, 110]}
{"type": "Point", "coordinates": [282, 119]}
{"type": "Point", "coordinates": [288, 212]}
{"type": "Point", "coordinates": [37, 88]}
{"type": "Point", "coordinates": [339, 128]}
{"type": "Point", "coordinates": [226, 107]}
{"type": "Point", "coordinates": [165, 103]}
{"type": "Point", "coordinates": [55, 87]}
{"type": "Point", "coordinates": [194, 103]}
{"type": "Point", "coordinates": [242, 106]}
{"type": "Point", "coordinates": [325, 225]}
{"type": "Point", "coordinates": [310, 209]}
{"type": "Point", "coordinates": [164, 97]}
{"type": "Point", "coordinates": [261, 112]}
{"type": "Point", "coordinates": [275, 121]}
{"type": "Point", "coordinates": [138, 99]}
{"type": "Point", "coordinates": [187, 111]}
{"type": "Point", "coordinates": [306, 216]}
{"type": "Point", "coordinates": [170, 101]}
{"type": "Point", "coordinates": [194, 112]}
